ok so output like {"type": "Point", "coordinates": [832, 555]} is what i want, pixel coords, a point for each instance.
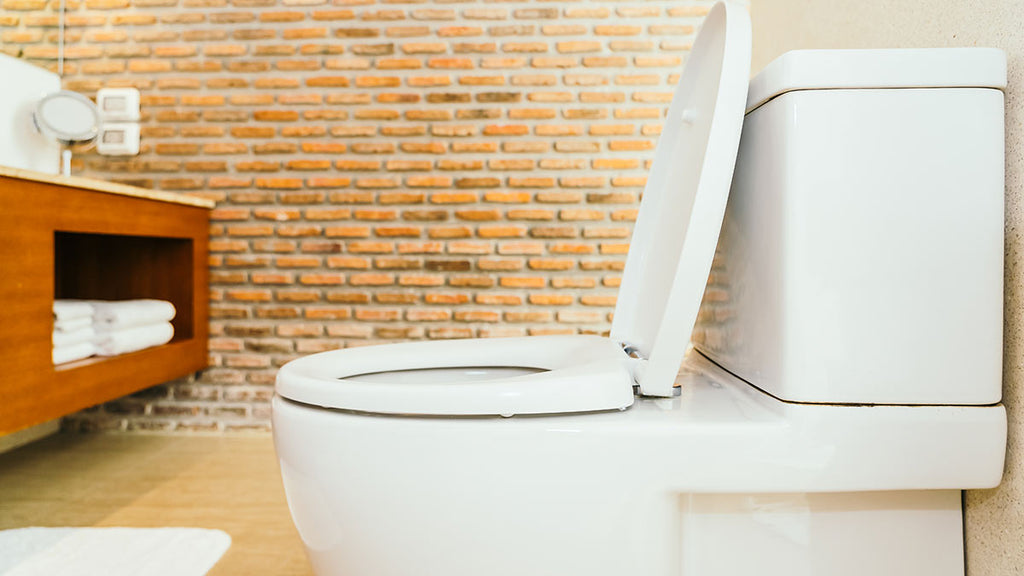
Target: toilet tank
{"type": "Point", "coordinates": [861, 257]}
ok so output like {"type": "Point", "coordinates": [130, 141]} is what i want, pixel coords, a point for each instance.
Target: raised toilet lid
{"type": "Point", "coordinates": [681, 213]}
{"type": "Point", "coordinates": [663, 283]}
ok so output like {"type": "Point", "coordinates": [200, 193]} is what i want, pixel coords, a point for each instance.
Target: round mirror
{"type": "Point", "coordinates": [68, 117]}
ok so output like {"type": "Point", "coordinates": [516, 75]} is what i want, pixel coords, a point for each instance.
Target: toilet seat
{"type": "Point", "coordinates": [666, 270]}
{"type": "Point", "coordinates": [580, 374]}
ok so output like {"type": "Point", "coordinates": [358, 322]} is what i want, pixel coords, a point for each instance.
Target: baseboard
{"type": "Point", "coordinates": [21, 437]}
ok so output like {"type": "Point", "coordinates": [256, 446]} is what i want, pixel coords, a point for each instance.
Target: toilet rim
{"type": "Point", "coordinates": [581, 374]}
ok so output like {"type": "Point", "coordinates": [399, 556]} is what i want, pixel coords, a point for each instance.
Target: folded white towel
{"type": "Point", "coordinates": [129, 313]}
{"type": "Point", "coordinates": [133, 339]}
{"type": "Point", "coordinates": [62, 354]}
{"type": "Point", "coordinates": [72, 325]}
{"type": "Point", "coordinates": [71, 309]}
{"type": "Point", "coordinates": [61, 338]}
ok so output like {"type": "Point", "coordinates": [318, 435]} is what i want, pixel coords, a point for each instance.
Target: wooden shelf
{"type": "Point", "coordinates": [149, 354]}
{"type": "Point", "coordinates": [73, 238]}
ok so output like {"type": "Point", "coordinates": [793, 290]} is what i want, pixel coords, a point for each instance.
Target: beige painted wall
{"type": "Point", "coordinates": [995, 518]}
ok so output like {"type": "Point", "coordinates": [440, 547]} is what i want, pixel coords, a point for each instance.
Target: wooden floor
{"type": "Point", "coordinates": [229, 483]}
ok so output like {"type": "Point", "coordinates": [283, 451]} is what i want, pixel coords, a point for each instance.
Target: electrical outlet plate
{"type": "Point", "coordinates": [118, 104]}
{"type": "Point", "coordinates": [118, 139]}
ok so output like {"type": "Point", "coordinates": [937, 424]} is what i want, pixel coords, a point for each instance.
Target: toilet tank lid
{"type": "Point", "coordinates": [884, 68]}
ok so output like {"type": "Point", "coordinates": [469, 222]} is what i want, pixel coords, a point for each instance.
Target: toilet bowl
{"type": "Point", "coordinates": [720, 480]}
{"type": "Point", "coordinates": [596, 456]}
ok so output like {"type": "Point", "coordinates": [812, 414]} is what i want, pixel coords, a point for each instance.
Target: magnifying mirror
{"type": "Point", "coordinates": [68, 117]}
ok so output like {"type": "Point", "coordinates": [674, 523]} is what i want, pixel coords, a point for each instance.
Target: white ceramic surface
{"type": "Point", "coordinates": [899, 68]}
{"type": "Point", "coordinates": [642, 491]}
{"type": "Point", "coordinates": [579, 374]}
{"type": "Point", "coordinates": [861, 258]}
{"type": "Point", "coordinates": [724, 479]}
{"type": "Point", "coordinates": [684, 200]}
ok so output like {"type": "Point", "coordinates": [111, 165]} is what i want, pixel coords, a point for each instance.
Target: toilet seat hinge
{"type": "Point", "coordinates": [631, 351]}
{"type": "Point", "coordinates": [635, 361]}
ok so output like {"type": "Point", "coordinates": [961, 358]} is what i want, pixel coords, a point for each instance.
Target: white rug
{"type": "Point", "coordinates": [110, 551]}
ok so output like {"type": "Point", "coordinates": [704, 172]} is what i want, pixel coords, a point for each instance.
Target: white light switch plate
{"type": "Point", "coordinates": [118, 139]}
{"type": "Point", "coordinates": [118, 104]}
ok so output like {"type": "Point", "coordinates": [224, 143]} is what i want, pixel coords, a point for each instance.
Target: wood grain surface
{"type": "Point", "coordinates": [67, 242]}
{"type": "Point", "coordinates": [229, 483]}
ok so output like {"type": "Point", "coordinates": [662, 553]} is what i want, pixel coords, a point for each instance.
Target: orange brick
{"type": "Point", "coordinates": [428, 81]}
{"type": "Point", "coordinates": [531, 215]}
{"type": "Point", "coordinates": [398, 231]}
{"type": "Point", "coordinates": [598, 300]}
{"type": "Point", "coordinates": [471, 281]}
{"type": "Point", "coordinates": [279, 183]}
{"type": "Point", "coordinates": [450, 63]}
{"type": "Point", "coordinates": [376, 183]}
{"type": "Point", "coordinates": [477, 215]}
{"type": "Point", "coordinates": [271, 278]}
{"type": "Point", "coordinates": [477, 316]}
{"type": "Point", "coordinates": [427, 315]}
{"type": "Point", "coordinates": [521, 248]}
{"type": "Point", "coordinates": [423, 147]}
{"type": "Point", "coordinates": [371, 279]}
{"type": "Point", "coordinates": [278, 214]}
{"type": "Point", "coordinates": [420, 248]}
{"type": "Point", "coordinates": [573, 282]}
{"type": "Point", "coordinates": [550, 299]}
{"type": "Point", "coordinates": [248, 295]}
{"type": "Point", "coordinates": [446, 298]}
{"type": "Point", "coordinates": [348, 262]}
{"type": "Point", "coordinates": [499, 299]}
{"type": "Point", "coordinates": [580, 317]}
{"type": "Point", "coordinates": [551, 264]}
{"type": "Point", "coordinates": [322, 279]}
{"type": "Point", "coordinates": [522, 282]}
{"type": "Point", "coordinates": [375, 214]}
{"type": "Point", "coordinates": [453, 198]}
{"type": "Point", "coordinates": [615, 163]}
{"type": "Point", "coordinates": [420, 280]}
{"type": "Point", "coordinates": [428, 181]}
{"type": "Point", "coordinates": [613, 248]}
{"type": "Point", "coordinates": [468, 248]}
{"type": "Point", "coordinates": [370, 247]}
{"type": "Point", "coordinates": [571, 248]}
{"type": "Point", "coordinates": [320, 313]}
{"type": "Point", "coordinates": [531, 316]}
{"type": "Point", "coordinates": [297, 261]}
{"type": "Point", "coordinates": [452, 31]}
{"type": "Point", "coordinates": [347, 232]}
{"type": "Point", "coordinates": [501, 231]}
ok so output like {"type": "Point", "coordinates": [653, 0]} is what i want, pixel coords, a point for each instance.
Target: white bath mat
{"type": "Point", "coordinates": [110, 551]}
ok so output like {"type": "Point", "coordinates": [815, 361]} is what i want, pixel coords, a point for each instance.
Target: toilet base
{"type": "Point", "coordinates": [398, 496]}
{"type": "Point", "coordinates": [911, 533]}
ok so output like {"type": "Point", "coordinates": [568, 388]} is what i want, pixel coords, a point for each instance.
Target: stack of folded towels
{"type": "Point", "coordinates": [84, 328]}
{"type": "Point", "coordinates": [73, 334]}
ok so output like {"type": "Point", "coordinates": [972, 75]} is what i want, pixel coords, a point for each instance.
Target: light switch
{"type": "Point", "coordinates": [118, 139]}
{"type": "Point", "coordinates": [118, 104]}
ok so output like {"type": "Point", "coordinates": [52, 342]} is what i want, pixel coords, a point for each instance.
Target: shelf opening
{"type": "Point", "coordinates": [120, 267]}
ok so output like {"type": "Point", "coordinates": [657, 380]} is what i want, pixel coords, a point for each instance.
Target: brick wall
{"type": "Point", "coordinates": [384, 170]}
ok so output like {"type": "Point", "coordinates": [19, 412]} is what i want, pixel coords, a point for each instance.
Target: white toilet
{"type": "Point", "coordinates": [844, 388]}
